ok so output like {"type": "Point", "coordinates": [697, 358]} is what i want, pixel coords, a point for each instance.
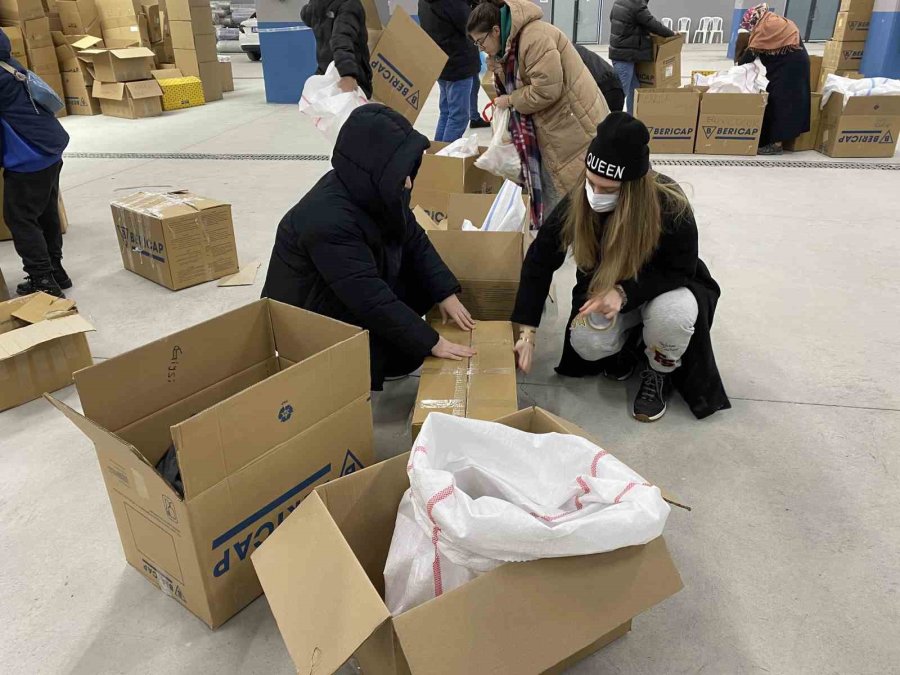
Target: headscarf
{"type": "Point", "coordinates": [753, 15]}
{"type": "Point", "coordinates": [773, 34]}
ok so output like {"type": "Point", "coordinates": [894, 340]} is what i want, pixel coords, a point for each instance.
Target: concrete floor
{"type": "Point", "coordinates": [790, 555]}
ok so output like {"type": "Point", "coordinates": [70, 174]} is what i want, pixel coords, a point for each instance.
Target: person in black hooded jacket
{"type": "Point", "coordinates": [342, 37]}
{"type": "Point", "coordinates": [631, 24]}
{"type": "Point", "coordinates": [351, 248]}
{"type": "Point", "coordinates": [445, 22]}
{"type": "Point", "coordinates": [32, 142]}
{"type": "Point", "coordinates": [605, 77]}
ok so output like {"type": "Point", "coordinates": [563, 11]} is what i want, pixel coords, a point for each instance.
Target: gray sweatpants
{"type": "Point", "coordinates": [668, 327]}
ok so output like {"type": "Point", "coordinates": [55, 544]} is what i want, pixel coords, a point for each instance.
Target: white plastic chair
{"type": "Point", "coordinates": [684, 27]}
{"type": "Point", "coordinates": [702, 31]}
{"type": "Point", "coordinates": [667, 22]}
{"type": "Point", "coordinates": [715, 28]}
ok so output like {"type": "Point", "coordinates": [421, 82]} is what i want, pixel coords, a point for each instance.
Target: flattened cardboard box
{"type": "Point", "coordinates": [521, 618]}
{"type": "Point", "coordinates": [808, 140]}
{"type": "Point", "coordinates": [664, 71]}
{"type": "Point", "coordinates": [177, 239]}
{"type": "Point", "coordinates": [262, 404]}
{"type": "Point", "coordinates": [730, 124]}
{"type": "Point", "coordinates": [843, 55]}
{"type": "Point", "coordinates": [670, 116]}
{"type": "Point", "coordinates": [864, 126]}
{"type": "Point", "coordinates": [405, 65]}
{"type": "Point", "coordinates": [482, 387]}
{"type": "Point", "coordinates": [42, 342]}
{"type": "Point", "coordinates": [79, 17]}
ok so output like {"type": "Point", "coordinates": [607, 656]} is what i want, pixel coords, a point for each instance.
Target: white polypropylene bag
{"type": "Point", "coordinates": [501, 157]}
{"type": "Point", "coordinates": [482, 494]}
{"type": "Point", "coordinates": [507, 213]}
{"type": "Point", "coordinates": [328, 106]}
{"type": "Point", "coordinates": [467, 146]}
{"type": "Point", "coordinates": [747, 79]}
{"type": "Point", "coordinates": [867, 86]}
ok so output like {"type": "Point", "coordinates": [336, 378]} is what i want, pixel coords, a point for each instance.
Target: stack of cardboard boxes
{"type": "Point", "coordinates": [844, 52]}
{"type": "Point", "coordinates": [77, 72]}
{"type": "Point", "coordinates": [123, 82]}
{"type": "Point", "coordinates": [194, 43]}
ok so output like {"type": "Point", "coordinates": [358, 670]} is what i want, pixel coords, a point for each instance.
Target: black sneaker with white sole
{"type": "Point", "coordinates": [650, 401]}
{"type": "Point", "coordinates": [45, 283]}
{"type": "Point", "coordinates": [619, 367]}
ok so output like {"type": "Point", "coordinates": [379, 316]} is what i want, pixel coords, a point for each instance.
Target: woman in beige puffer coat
{"type": "Point", "coordinates": [552, 85]}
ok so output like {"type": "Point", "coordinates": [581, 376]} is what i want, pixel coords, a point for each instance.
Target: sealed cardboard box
{"type": "Point", "coordinates": [860, 126]}
{"type": "Point", "coordinates": [195, 11]}
{"type": "Point", "coordinates": [79, 17]}
{"type": "Point", "coordinates": [20, 10]}
{"type": "Point", "coordinates": [481, 388]}
{"type": "Point", "coordinates": [664, 71]}
{"type": "Point", "coordinates": [226, 75]}
{"type": "Point", "coordinates": [843, 55]}
{"type": "Point", "coordinates": [808, 140]}
{"type": "Point", "coordinates": [847, 29]}
{"type": "Point", "coordinates": [256, 420]}
{"type": "Point", "coordinates": [129, 100]}
{"type": "Point", "coordinates": [37, 33]}
{"type": "Point", "coordinates": [42, 59]}
{"type": "Point", "coordinates": [42, 342]}
{"type": "Point", "coordinates": [17, 43]}
{"type": "Point", "coordinates": [179, 92]}
{"type": "Point", "coordinates": [535, 617]}
{"type": "Point", "coordinates": [670, 116]}
{"type": "Point", "coordinates": [121, 65]}
{"type": "Point", "coordinates": [176, 239]}
{"type": "Point", "coordinates": [730, 124]}
{"type": "Point", "coordinates": [183, 37]}
{"type": "Point", "coordinates": [405, 65]}
{"type": "Point", "coordinates": [127, 30]}
{"type": "Point", "coordinates": [857, 7]}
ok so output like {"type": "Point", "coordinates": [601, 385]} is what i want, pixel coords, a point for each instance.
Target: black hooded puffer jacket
{"type": "Point", "coordinates": [339, 251]}
{"type": "Point", "coordinates": [342, 37]}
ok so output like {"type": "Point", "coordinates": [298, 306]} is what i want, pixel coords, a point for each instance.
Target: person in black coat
{"type": "Point", "coordinates": [351, 248]}
{"type": "Point", "coordinates": [445, 23]}
{"type": "Point", "coordinates": [634, 240]}
{"type": "Point", "coordinates": [32, 142]}
{"type": "Point", "coordinates": [605, 77]}
{"type": "Point", "coordinates": [630, 41]}
{"type": "Point", "coordinates": [342, 37]}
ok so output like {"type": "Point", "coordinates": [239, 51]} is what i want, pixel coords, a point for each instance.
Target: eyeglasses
{"type": "Point", "coordinates": [480, 43]}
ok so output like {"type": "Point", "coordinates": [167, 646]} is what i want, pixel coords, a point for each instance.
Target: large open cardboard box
{"type": "Point", "coordinates": [482, 387]}
{"type": "Point", "coordinates": [261, 404]}
{"type": "Point", "coordinates": [670, 116]}
{"type": "Point", "coordinates": [664, 71]}
{"type": "Point", "coordinates": [441, 179]}
{"type": "Point", "coordinates": [730, 124]}
{"type": "Point", "coordinates": [521, 618]}
{"type": "Point", "coordinates": [864, 126]}
{"type": "Point", "coordinates": [42, 342]}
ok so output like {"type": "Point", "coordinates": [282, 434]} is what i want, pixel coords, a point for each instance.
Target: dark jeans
{"type": "Point", "coordinates": [31, 212]}
{"type": "Point", "coordinates": [474, 112]}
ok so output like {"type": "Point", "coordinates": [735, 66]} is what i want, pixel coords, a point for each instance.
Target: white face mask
{"type": "Point", "coordinates": [601, 203]}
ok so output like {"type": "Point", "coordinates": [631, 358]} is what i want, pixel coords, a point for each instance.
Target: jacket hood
{"type": "Point", "coordinates": [376, 150]}
{"type": "Point", "coordinates": [523, 12]}
{"type": "Point", "coordinates": [5, 47]}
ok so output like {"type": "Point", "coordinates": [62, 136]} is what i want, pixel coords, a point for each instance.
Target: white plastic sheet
{"type": "Point", "coordinates": [467, 146]}
{"type": "Point", "coordinates": [328, 106]}
{"type": "Point", "coordinates": [746, 79]}
{"type": "Point", "coordinates": [501, 157]}
{"type": "Point", "coordinates": [868, 86]}
{"type": "Point", "coordinates": [482, 494]}
{"type": "Point", "coordinates": [507, 212]}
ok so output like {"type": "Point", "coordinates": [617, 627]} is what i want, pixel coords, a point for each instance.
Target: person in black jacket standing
{"type": "Point", "coordinates": [32, 142]}
{"type": "Point", "coordinates": [342, 37]}
{"type": "Point", "coordinates": [445, 23]}
{"type": "Point", "coordinates": [630, 42]}
{"type": "Point", "coordinates": [605, 77]}
{"type": "Point", "coordinates": [634, 239]}
{"type": "Point", "coordinates": [351, 248]}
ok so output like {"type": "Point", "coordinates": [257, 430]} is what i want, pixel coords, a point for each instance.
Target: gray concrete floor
{"type": "Point", "coordinates": [790, 556]}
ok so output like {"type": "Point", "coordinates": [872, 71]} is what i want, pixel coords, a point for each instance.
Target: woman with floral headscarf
{"type": "Point", "coordinates": [775, 41]}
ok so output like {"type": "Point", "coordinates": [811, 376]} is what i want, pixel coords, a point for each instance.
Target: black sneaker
{"type": "Point", "coordinates": [61, 277]}
{"type": "Point", "coordinates": [650, 402]}
{"type": "Point", "coordinates": [619, 367]}
{"type": "Point", "coordinates": [770, 149]}
{"type": "Point", "coordinates": [45, 283]}
{"type": "Point", "coordinates": [479, 124]}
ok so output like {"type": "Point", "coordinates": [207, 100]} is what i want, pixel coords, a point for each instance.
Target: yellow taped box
{"type": "Point", "coordinates": [179, 91]}
{"type": "Point", "coordinates": [481, 388]}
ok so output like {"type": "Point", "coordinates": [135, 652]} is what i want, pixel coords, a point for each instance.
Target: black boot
{"type": "Point", "coordinates": [650, 402]}
{"type": "Point", "coordinates": [45, 283]}
{"type": "Point", "coordinates": [61, 277]}
{"type": "Point", "coordinates": [479, 124]}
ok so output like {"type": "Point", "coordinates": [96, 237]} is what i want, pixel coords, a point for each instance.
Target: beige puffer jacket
{"type": "Point", "coordinates": [556, 88]}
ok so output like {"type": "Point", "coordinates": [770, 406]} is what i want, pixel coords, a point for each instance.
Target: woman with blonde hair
{"type": "Point", "coordinates": [634, 240]}
{"type": "Point", "coordinates": [553, 100]}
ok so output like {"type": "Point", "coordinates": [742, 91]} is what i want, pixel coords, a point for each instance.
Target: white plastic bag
{"type": "Point", "coordinates": [501, 157]}
{"type": "Point", "coordinates": [328, 106]}
{"type": "Point", "coordinates": [868, 86]}
{"type": "Point", "coordinates": [507, 213]}
{"type": "Point", "coordinates": [482, 494]}
{"type": "Point", "coordinates": [747, 79]}
{"type": "Point", "coordinates": [467, 146]}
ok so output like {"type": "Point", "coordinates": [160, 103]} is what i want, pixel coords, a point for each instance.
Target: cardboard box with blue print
{"type": "Point", "coordinates": [261, 405]}
{"type": "Point", "coordinates": [730, 124]}
{"type": "Point", "coordinates": [177, 239]}
{"type": "Point", "coordinates": [664, 71]}
{"type": "Point", "coordinates": [670, 116]}
{"type": "Point", "coordinates": [859, 126]}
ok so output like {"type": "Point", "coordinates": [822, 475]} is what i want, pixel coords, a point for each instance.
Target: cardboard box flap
{"type": "Point", "coordinates": [425, 221]}
{"type": "Point", "coordinates": [111, 91]}
{"type": "Point", "coordinates": [143, 89]}
{"type": "Point", "coordinates": [21, 340]}
{"type": "Point", "coordinates": [322, 600]}
{"type": "Point", "coordinates": [133, 53]}
{"type": "Point", "coordinates": [166, 74]}
{"type": "Point", "coordinates": [87, 42]}
{"type": "Point", "coordinates": [872, 105]}
{"type": "Point", "coordinates": [165, 204]}
{"type": "Point", "coordinates": [469, 630]}
{"type": "Point", "coordinates": [42, 306]}
{"type": "Point", "coordinates": [499, 259]}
